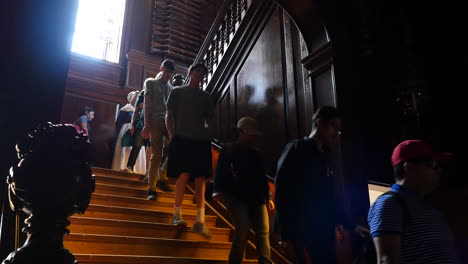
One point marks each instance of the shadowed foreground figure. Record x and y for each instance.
(51, 182)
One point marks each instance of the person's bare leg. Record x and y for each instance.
(148, 157)
(180, 187)
(199, 226)
(179, 197)
(200, 192)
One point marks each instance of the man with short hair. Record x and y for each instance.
(156, 94)
(188, 110)
(241, 183)
(305, 201)
(404, 226)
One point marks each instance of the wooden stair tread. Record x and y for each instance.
(133, 239)
(126, 182)
(98, 226)
(90, 220)
(104, 188)
(118, 174)
(126, 245)
(121, 181)
(125, 259)
(108, 199)
(99, 170)
(136, 214)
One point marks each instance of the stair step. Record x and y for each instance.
(121, 181)
(124, 259)
(102, 244)
(115, 200)
(143, 215)
(118, 174)
(138, 193)
(85, 225)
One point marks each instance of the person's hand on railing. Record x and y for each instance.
(218, 197)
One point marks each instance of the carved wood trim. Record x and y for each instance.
(177, 31)
(81, 86)
(141, 58)
(320, 60)
(256, 17)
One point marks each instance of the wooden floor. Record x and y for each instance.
(121, 226)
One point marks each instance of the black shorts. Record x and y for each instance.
(190, 156)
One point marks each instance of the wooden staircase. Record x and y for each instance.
(121, 226)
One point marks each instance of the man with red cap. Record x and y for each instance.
(404, 226)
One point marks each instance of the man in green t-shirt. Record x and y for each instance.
(188, 110)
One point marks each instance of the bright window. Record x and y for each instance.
(98, 29)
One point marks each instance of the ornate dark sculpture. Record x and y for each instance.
(51, 182)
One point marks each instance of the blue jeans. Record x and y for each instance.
(242, 215)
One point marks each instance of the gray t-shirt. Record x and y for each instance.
(157, 92)
(191, 109)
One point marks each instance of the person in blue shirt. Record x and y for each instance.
(405, 227)
(81, 124)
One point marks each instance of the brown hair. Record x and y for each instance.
(326, 114)
(198, 65)
(168, 64)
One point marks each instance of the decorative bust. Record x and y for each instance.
(51, 182)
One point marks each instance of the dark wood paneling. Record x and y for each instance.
(135, 75)
(95, 69)
(141, 25)
(102, 127)
(225, 120)
(289, 77)
(323, 89)
(260, 92)
(93, 89)
(305, 106)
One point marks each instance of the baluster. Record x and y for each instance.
(207, 60)
(233, 18)
(228, 22)
(218, 43)
(238, 10)
(244, 7)
(211, 62)
(205, 78)
(215, 52)
(222, 37)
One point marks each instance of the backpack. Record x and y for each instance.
(368, 253)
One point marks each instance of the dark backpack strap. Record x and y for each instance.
(404, 206)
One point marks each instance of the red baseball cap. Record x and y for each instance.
(415, 150)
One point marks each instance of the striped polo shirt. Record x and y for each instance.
(425, 239)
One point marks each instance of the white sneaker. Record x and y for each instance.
(177, 220)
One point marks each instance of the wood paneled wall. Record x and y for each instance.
(265, 86)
